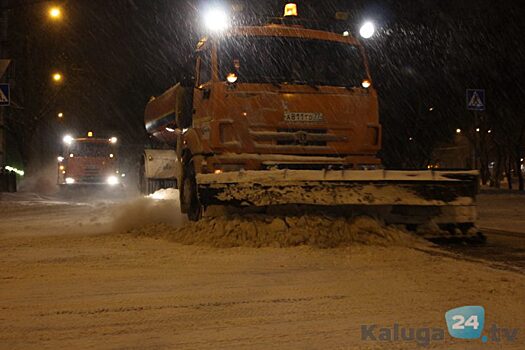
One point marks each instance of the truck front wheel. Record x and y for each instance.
(188, 194)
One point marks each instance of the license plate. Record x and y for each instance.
(300, 117)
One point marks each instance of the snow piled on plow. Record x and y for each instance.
(270, 231)
(158, 216)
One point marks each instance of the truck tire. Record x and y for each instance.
(189, 199)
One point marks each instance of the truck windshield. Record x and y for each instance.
(261, 59)
(90, 149)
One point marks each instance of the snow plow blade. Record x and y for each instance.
(446, 198)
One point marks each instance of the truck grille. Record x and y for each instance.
(89, 171)
(91, 174)
(303, 137)
(296, 137)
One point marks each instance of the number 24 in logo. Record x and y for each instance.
(465, 322)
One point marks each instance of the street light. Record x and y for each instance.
(60, 115)
(55, 13)
(57, 77)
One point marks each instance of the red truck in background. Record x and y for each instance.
(89, 161)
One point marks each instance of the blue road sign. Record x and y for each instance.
(476, 99)
(4, 95)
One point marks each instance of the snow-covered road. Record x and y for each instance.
(80, 275)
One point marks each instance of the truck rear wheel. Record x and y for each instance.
(188, 194)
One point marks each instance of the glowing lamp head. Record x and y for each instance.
(367, 30)
(60, 159)
(366, 83)
(231, 78)
(68, 139)
(290, 9)
(57, 77)
(216, 20)
(55, 13)
(70, 180)
(90, 134)
(113, 139)
(458, 131)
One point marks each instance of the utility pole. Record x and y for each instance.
(3, 54)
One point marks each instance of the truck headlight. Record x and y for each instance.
(366, 83)
(231, 78)
(68, 139)
(112, 180)
(216, 20)
(70, 180)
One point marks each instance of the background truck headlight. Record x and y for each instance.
(70, 180)
(112, 180)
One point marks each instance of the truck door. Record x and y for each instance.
(203, 87)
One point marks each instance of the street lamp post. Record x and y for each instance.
(54, 13)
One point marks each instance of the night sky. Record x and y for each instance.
(116, 54)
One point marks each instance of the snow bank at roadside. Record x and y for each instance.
(271, 231)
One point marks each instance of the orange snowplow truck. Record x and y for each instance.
(88, 161)
(281, 114)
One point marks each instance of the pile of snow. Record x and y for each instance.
(272, 231)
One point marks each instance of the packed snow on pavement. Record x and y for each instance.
(502, 210)
(135, 274)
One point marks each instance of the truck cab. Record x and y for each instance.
(276, 96)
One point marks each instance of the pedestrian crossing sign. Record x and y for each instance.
(4, 95)
(476, 99)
